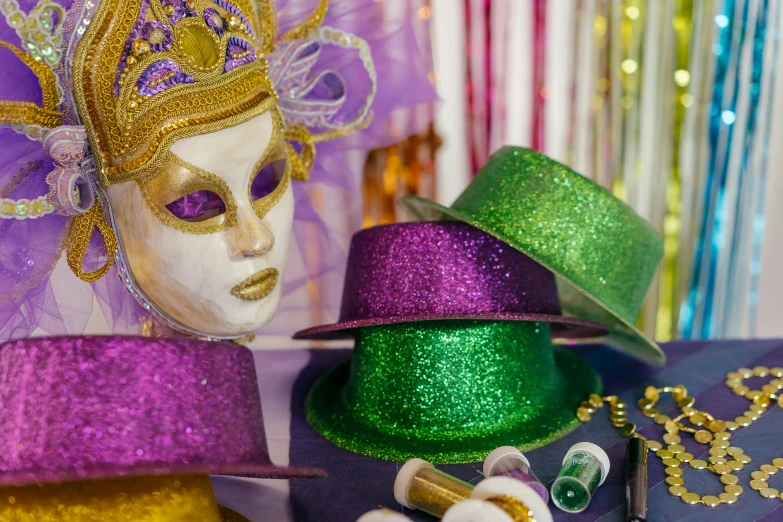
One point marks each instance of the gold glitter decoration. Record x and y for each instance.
(257, 286)
(434, 491)
(28, 113)
(178, 178)
(79, 233)
(308, 26)
(137, 499)
(572, 226)
(277, 150)
(267, 15)
(302, 162)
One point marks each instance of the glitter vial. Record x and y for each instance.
(585, 467)
(516, 497)
(383, 515)
(507, 461)
(420, 486)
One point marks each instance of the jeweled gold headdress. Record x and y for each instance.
(148, 72)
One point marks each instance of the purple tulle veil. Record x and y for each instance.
(41, 296)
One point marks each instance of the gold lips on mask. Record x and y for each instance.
(257, 286)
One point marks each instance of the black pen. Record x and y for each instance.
(636, 481)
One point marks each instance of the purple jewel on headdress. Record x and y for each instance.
(161, 75)
(234, 11)
(158, 35)
(214, 20)
(239, 52)
(180, 10)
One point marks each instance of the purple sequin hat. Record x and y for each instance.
(74, 408)
(422, 271)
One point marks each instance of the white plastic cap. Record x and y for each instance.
(595, 451)
(498, 486)
(476, 511)
(500, 454)
(404, 477)
(383, 515)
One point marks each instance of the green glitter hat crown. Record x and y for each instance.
(450, 391)
(603, 254)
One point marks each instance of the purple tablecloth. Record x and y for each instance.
(357, 484)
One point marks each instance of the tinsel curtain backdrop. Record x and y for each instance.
(667, 103)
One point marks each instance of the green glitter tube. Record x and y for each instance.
(420, 486)
(585, 467)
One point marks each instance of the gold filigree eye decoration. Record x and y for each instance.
(189, 199)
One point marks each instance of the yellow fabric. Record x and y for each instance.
(172, 498)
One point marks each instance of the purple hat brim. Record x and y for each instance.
(93, 407)
(563, 327)
(267, 471)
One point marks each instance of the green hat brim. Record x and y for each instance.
(624, 336)
(326, 410)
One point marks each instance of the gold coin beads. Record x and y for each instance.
(760, 478)
(724, 459)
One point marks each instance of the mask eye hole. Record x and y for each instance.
(267, 179)
(197, 206)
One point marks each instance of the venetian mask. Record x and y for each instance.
(171, 138)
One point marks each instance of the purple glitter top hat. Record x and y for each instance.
(75, 408)
(444, 270)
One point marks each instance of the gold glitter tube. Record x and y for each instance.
(420, 486)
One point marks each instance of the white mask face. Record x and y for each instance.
(206, 240)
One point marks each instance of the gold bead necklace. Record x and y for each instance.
(724, 458)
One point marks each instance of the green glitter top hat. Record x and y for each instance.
(603, 254)
(450, 391)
